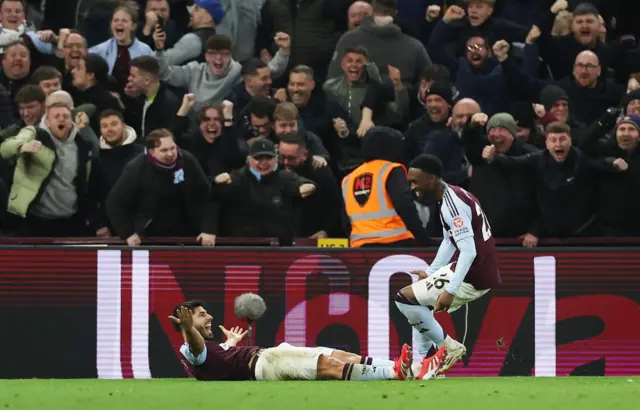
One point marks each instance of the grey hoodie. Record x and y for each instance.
(198, 79)
(60, 198)
(386, 45)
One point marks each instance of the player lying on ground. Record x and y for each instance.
(207, 359)
(446, 286)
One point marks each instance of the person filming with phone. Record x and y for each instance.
(205, 16)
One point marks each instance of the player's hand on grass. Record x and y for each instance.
(234, 336)
(184, 319)
(444, 302)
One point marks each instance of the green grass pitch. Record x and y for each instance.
(602, 393)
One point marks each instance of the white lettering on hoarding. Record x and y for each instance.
(544, 302)
(109, 320)
(378, 303)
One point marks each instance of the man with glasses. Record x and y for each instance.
(588, 94)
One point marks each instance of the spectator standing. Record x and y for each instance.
(162, 193)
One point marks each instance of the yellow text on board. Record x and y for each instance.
(333, 243)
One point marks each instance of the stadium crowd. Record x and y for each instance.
(239, 118)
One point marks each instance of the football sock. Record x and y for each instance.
(422, 319)
(364, 372)
(371, 361)
(426, 347)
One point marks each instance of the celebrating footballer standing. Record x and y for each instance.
(446, 285)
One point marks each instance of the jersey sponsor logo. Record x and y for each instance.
(458, 222)
(362, 185)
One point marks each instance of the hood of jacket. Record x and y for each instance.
(367, 25)
(383, 143)
(130, 137)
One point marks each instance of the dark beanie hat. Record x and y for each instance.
(441, 89)
(630, 119)
(551, 94)
(633, 95)
(427, 163)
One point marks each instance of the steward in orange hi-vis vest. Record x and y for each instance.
(372, 215)
(377, 195)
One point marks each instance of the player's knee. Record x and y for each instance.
(405, 296)
(329, 367)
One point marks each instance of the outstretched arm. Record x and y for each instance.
(194, 338)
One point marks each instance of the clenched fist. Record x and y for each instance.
(620, 164)
(307, 189)
(223, 178)
(227, 109)
(479, 119)
(453, 13)
(501, 50)
(433, 12)
(395, 76)
(533, 35)
(283, 41)
(489, 152)
(31, 147)
(318, 162)
(81, 120)
(341, 127)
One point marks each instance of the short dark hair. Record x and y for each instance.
(427, 163)
(303, 69)
(584, 9)
(189, 304)
(98, 67)
(385, 7)
(294, 138)
(557, 127)
(436, 72)
(261, 106)
(218, 42)
(152, 140)
(203, 111)
(356, 50)
(111, 113)
(45, 72)
(15, 1)
(252, 65)
(30, 93)
(148, 64)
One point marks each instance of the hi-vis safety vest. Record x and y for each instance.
(372, 215)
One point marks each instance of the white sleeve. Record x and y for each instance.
(458, 216)
(191, 358)
(444, 255)
(467, 247)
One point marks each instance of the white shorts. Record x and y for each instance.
(287, 362)
(427, 290)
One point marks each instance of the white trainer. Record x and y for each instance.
(455, 351)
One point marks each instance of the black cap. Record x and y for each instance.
(262, 148)
(428, 163)
(442, 89)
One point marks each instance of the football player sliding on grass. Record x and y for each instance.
(207, 359)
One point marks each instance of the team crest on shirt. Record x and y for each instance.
(458, 222)
(362, 185)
